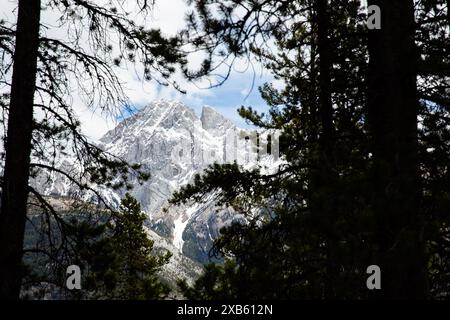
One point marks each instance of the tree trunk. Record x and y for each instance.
(324, 179)
(325, 102)
(18, 149)
(392, 118)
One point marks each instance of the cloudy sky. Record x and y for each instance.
(168, 15)
(240, 89)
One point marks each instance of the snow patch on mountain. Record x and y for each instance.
(180, 225)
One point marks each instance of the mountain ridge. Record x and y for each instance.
(171, 142)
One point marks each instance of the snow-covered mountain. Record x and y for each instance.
(170, 142)
(173, 144)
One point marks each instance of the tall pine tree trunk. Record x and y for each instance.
(18, 149)
(324, 180)
(392, 116)
(325, 102)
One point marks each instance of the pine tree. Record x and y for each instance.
(18, 148)
(325, 216)
(311, 215)
(137, 265)
(115, 255)
(392, 116)
(41, 121)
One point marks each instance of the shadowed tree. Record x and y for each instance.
(393, 108)
(18, 148)
(43, 73)
(117, 257)
(299, 244)
(380, 196)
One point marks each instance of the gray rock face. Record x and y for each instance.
(173, 144)
(214, 122)
(168, 139)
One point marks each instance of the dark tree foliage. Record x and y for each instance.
(116, 257)
(392, 109)
(41, 74)
(136, 266)
(433, 85)
(321, 220)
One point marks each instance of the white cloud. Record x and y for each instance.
(169, 16)
(94, 124)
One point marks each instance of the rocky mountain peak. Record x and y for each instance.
(214, 122)
(173, 144)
